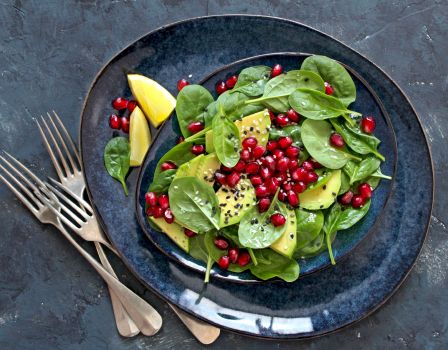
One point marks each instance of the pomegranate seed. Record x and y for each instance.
(299, 187)
(131, 105)
(281, 120)
(336, 140)
(189, 233)
(271, 116)
(252, 168)
(258, 152)
(299, 174)
(346, 198)
(167, 166)
(278, 153)
(328, 89)
(226, 169)
(311, 177)
(272, 185)
(168, 216)
(272, 146)
(120, 103)
(284, 142)
(249, 142)
(197, 149)
(292, 152)
(278, 219)
(282, 164)
(158, 212)
(125, 123)
(265, 173)
(368, 124)
(263, 204)
(307, 165)
(233, 179)
(150, 211)
(245, 154)
(221, 178)
(181, 84)
(243, 258)
(293, 116)
(151, 199)
(293, 164)
(195, 127)
(281, 177)
(240, 166)
(233, 254)
(164, 201)
(269, 163)
(315, 163)
(231, 81)
(357, 201)
(180, 139)
(286, 186)
(276, 70)
(224, 262)
(221, 87)
(261, 191)
(293, 199)
(115, 122)
(256, 180)
(221, 243)
(365, 190)
(282, 196)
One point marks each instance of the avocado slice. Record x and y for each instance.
(173, 231)
(287, 242)
(322, 197)
(207, 168)
(256, 125)
(189, 168)
(234, 202)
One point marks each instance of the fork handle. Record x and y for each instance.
(125, 325)
(147, 319)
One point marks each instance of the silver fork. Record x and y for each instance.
(46, 207)
(74, 181)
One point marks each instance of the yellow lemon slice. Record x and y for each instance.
(156, 101)
(139, 137)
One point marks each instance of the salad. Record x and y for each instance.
(269, 172)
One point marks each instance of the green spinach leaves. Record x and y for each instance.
(117, 156)
(226, 139)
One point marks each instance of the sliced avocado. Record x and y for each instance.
(256, 125)
(207, 167)
(173, 231)
(324, 177)
(287, 242)
(322, 197)
(234, 202)
(189, 168)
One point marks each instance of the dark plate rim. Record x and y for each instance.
(217, 274)
(273, 18)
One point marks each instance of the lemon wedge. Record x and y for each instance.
(139, 137)
(156, 101)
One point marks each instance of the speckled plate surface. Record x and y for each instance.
(316, 304)
(367, 102)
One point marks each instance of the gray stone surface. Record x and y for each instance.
(50, 52)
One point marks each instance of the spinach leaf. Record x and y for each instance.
(117, 156)
(226, 139)
(256, 230)
(317, 105)
(252, 80)
(380, 175)
(212, 250)
(234, 106)
(210, 113)
(373, 182)
(309, 225)
(179, 154)
(293, 131)
(191, 103)
(271, 264)
(162, 182)
(194, 204)
(371, 140)
(361, 170)
(313, 248)
(316, 138)
(355, 142)
(199, 251)
(345, 183)
(334, 74)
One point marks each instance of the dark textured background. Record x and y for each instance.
(50, 52)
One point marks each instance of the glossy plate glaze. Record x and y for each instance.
(319, 303)
(366, 102)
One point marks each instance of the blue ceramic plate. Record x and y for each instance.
(367, 102)
(318, 303)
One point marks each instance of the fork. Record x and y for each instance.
(71, 178)
(47, 209)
